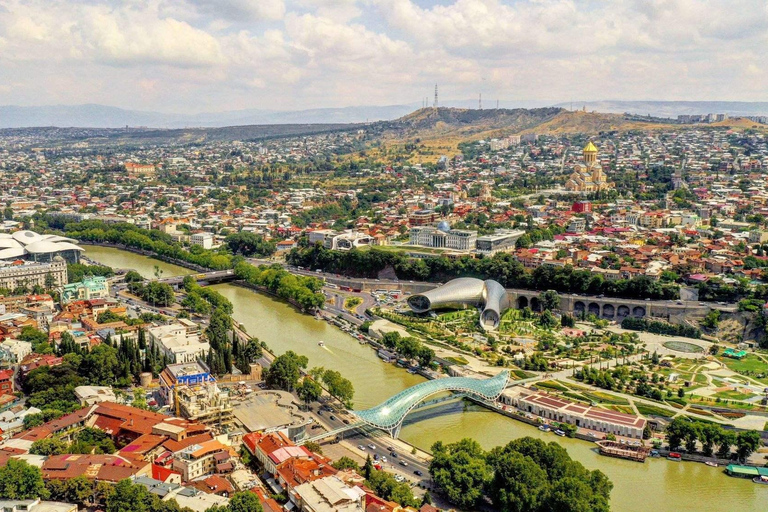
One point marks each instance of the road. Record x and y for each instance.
(365, 437)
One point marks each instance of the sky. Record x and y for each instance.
(217, 55)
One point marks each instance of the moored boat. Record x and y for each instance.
(712, 464)
(560, 433)
(674, 456)
(761, 480)
(544, 428)
(622, 451)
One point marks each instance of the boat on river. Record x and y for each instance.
(761, 480)
(622, 451)
(320, 343)
(712, 464)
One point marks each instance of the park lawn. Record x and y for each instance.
(750, 363)
(522, 374)
(551, 384)
(350, 303)
(652, 410)
(457, 360)
(733, 395)
(605, 398)
(626, 409)
(700, 378)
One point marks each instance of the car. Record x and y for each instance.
(316, 426)
(375, 456)
(390, 449)
(333, 418)
(361, 447)
(399, 478)
(383, 458)
(345, 421)
(393, 455)
(372, 446)
(403, 463)
(320, 412)
(418, 473)
(679, 303)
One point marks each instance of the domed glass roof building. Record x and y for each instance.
(28, 245)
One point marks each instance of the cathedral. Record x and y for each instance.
(588, 177)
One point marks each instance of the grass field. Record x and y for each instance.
(750, 363)
(733, 395)
(605, 398)
(651, 410)
(551, 384)
(457, 360)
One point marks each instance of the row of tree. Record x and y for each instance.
(132, 236)
(285, 373)
(502, 267)
(658, 327)
(525, 475)
(408, 347)
(303, 291)
(682, 431)
(22, 481)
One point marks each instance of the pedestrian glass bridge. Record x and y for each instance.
(389, 415)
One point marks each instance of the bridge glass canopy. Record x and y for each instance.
(390, 414)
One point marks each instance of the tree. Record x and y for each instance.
(127, 497)
(747, 443)
(460, 469)
(550, 300)
(346, 463)
(249, 244)
(339, 387)
(285, 371)
(21, 481)
(547, 320)
(725, 441)
(244, 502)
(314, 447)
(133, 277)
(518, 483)
(309, 390)
(49, 446)
(368, 468)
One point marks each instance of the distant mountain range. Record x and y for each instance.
(672, 109)
(102, 116)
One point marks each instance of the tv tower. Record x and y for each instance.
(435, 95)
(480, 102)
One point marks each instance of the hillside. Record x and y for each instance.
(567, 122)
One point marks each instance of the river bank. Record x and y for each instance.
(664, 485)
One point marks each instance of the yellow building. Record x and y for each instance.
(588, 177)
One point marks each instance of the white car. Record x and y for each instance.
(361, 447)
(383, 459)
(372, 446)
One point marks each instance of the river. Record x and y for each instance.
(657, 485)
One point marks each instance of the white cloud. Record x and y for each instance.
(194, 54)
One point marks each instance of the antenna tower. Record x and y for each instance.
(435, 95)
(480, 102)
